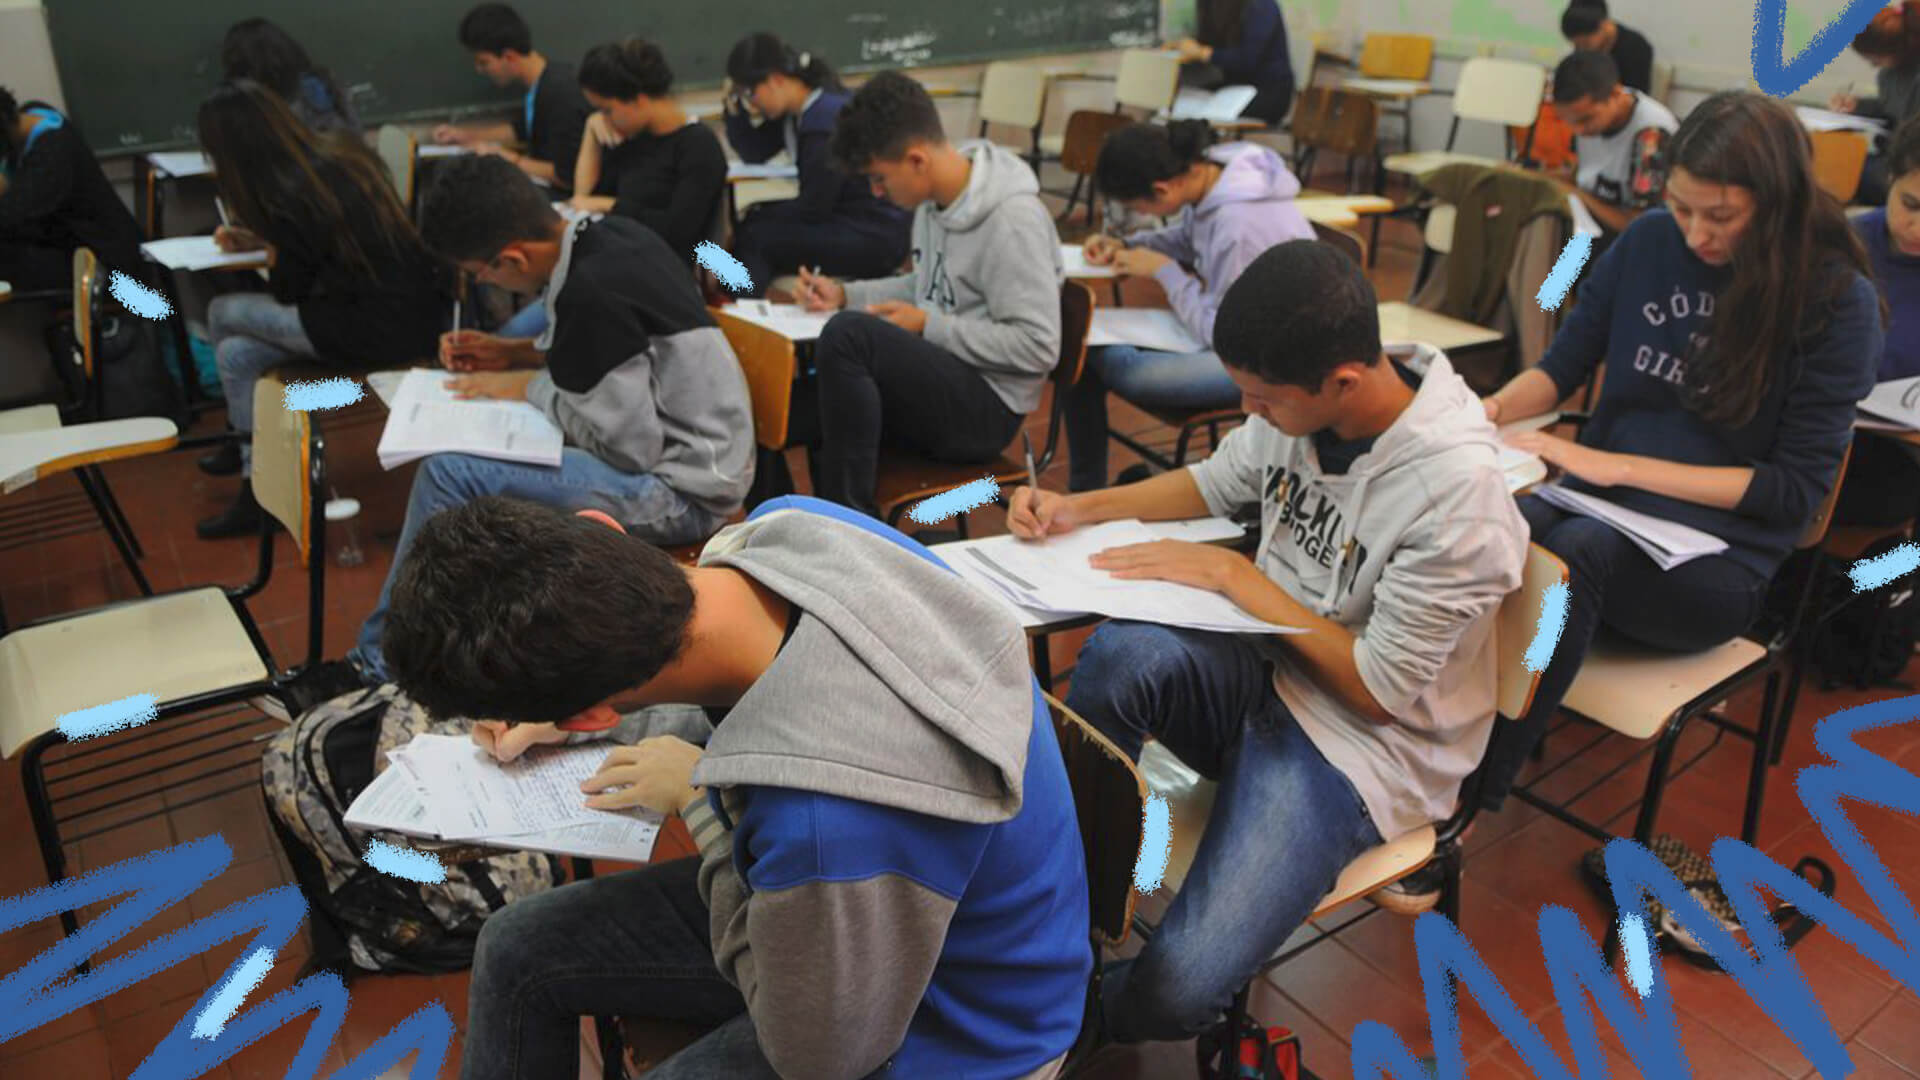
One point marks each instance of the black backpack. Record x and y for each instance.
(1870, 639)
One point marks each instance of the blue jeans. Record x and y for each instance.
(630, 944)
(1284, 824)
(528, 322)
(1145, 377)
(642, 502)
(252, 334)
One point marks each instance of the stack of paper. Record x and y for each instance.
(1667, 543)
(1826, 120)
(1053, 575)
(443, 787)
(428, 419)
(790, 321)
(440, 150)
(181, 163)
(770, 170)
(1896, 402)
(194, 253)
(1145, 328)
(1220, 106)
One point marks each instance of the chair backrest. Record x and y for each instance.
(1076, 323)
(1087, 131)
(1339, 121)
(397, 151)
(1109, 798)
(285, 469)
(1147, 79)
(1517, 623)
(1012, 93)
(1351, 245)
(1438, 231)
(1815, 533)
(1838, 158)
(1396, 56)
(1499, 91)
(767, 360)
(86, 313)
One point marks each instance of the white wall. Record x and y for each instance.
(26, 57)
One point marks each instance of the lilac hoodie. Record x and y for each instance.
(1249, 210)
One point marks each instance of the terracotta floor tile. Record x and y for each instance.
(83, 1057)
(130, 1040)
(1895, 1032)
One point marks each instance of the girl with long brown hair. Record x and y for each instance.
(351, 284)
(1738, 327)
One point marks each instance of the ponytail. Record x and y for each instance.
(761, 54)
(1135, 158)
(629, 69)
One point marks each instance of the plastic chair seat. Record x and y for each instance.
(172, 646)
(1635, 690)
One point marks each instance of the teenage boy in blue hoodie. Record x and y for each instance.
(890, 878)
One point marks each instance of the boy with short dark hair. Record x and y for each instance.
(631, 368)
(1620, 137)
(1388, 536)
(551, 118)
(890, 875)
(1587, 25)
(947, 360)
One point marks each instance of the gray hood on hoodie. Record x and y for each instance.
(901, 686)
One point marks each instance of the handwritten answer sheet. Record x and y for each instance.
(428, 419)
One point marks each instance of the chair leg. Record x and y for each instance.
(33, 780)
(1180, 447)
(1763, 740)
(119, 516)
(105, 513)
(1657, 779)
(1043, 661)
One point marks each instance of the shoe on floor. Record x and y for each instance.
(222, 462)
(243, 518)
(1414, 894)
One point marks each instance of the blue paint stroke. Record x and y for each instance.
(1156, 844)
(213, 1019)
(1566, 269)
(731, 271)
(1769, 974)
(138, 298)
(141, 888)
(129, 712)
(1553, 622)
(319, 395)
(957, 501)
(1636, 944)
(1872, 573)
(1777, 78)
(401, 863)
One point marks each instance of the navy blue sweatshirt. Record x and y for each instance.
(1260, 57)
(827, 195)
(1641, 307)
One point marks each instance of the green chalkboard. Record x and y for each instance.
(134, 71)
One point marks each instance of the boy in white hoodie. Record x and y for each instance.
(1388, 535)
(947, 360)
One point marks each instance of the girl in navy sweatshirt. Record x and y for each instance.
(1883, 478)
(1738, 328)
(780, 99)
(1242, 43)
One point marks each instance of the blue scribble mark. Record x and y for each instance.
(1565, 269)
(321, 394)
(1156, 844)
(138, 298)
(401, 863)
(1553, 620)
(957, 501)
(213, 1019)
(1872, 573)
(1777, 78)
(1639, 956)
(129, 712)
(731, 271)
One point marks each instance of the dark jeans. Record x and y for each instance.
(879, 386)
(1284, 822)
(1694, 606)
(630, 944)
(30, 268)
(769, 243)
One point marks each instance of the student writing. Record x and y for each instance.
(260, 50)
(54, 199)
(946, 360)
(890, 877)
(779, 98)
(1229, 204)
(1589, 28)
(1891, 43)
(1242, 43)
(551, 117)
(1882, 485)
(1620, 138)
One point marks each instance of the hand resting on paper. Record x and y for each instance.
(819, 292)
(1183, 562)
(232, 238)
(498, 385)
(1034, 514)
(655, 774)
(1596, 467)
(473, 350)
(1101, 248)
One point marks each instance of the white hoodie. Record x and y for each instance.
(1412, 550)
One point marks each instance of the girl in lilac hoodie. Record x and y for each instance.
(1229, 204)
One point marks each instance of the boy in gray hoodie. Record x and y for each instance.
(945, 361)
(1387, 533)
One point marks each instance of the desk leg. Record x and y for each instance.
(197, 399)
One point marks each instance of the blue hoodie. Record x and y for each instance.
(889, 849)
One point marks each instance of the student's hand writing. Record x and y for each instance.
(448, 135)
(1100, 248)
(602, 130)
(1035, 514)
(498, 385)
(821, 293)
(508, 741)
(903, 315)
(1191, 50)
(1597, 467)
(654, 773)
(473, 350)
(1843, 103)
(1139, 262)
(1183, 562)
(236, 238)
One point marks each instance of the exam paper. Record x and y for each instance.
(193, 253)
(1145, 328)
(1827, 120)
(1224, 104)
(1667, 543)
(428, 419)
(1897, 401)
(1074, 258)
(791, 321)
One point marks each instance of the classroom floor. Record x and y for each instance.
(1518, 860)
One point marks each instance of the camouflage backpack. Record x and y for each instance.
(361, 918)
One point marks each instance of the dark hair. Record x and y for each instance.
(515, 611)
(886, 116)
(479, 204)
(626, 70)
(1134, 158)
(759, 55)
(1582, 17)
(259, 50)
(276, 174)
(495, 28)
(1789, 266)
(1585, 75)
(1903, 153)
(9, 120)
(1894, 32)
(1218, 21)
(1297, 312)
